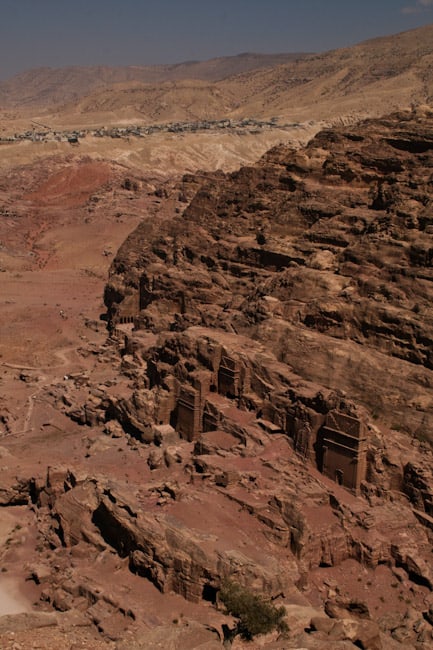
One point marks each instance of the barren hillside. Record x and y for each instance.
(370, 78)
(46, 86)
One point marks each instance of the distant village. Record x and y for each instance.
(44, 133)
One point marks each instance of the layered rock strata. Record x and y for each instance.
(321, 254)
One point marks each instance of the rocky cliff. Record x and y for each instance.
(324, 255)
(275, 337)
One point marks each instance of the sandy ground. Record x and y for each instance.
(11, 601)
(57, 239)
(16, 535)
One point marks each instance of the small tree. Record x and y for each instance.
(255, 614)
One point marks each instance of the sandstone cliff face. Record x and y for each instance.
(322, 254)
(275, 338)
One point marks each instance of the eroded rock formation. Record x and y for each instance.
(268, 382)
(276, 336)
(322, 255)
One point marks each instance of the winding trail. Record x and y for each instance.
(60, 354)
(30, 400)
(63, 355)
(15, 366)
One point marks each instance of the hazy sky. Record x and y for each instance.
(36, 33)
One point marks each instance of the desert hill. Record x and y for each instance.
(370, 78)
(46, 86)
(288, 102)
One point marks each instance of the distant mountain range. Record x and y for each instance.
(373, 77)
(45, 86)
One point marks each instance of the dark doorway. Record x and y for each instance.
(209, 593)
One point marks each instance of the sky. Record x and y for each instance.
(58, 33)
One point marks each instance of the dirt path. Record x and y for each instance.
(26, 424)
(43, 380)
(61, 354)
(15, 366)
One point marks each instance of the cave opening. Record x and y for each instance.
(209, 593)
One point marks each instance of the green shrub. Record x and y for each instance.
(255, 614)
